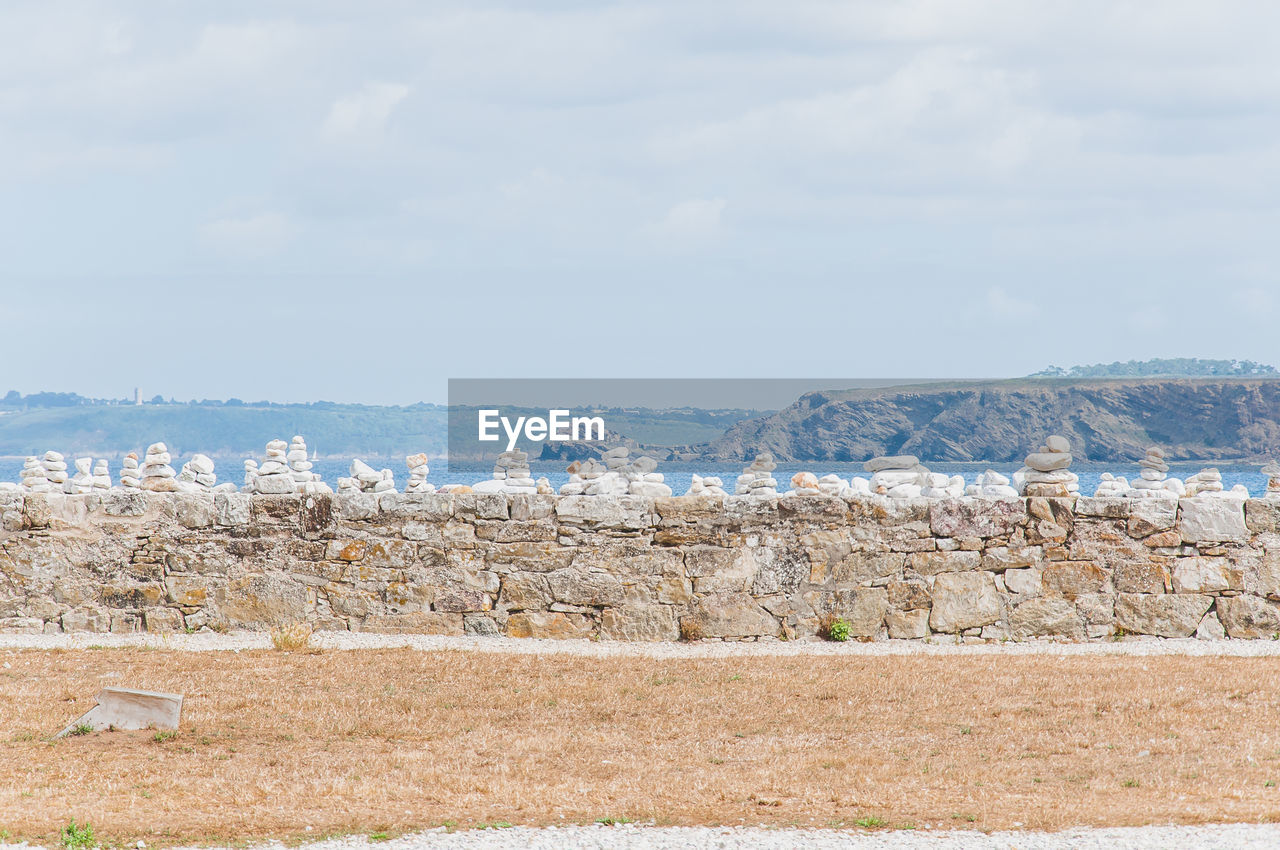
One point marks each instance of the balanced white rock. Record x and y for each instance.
(643, 478)
(250, 474)
(757, 479)
(991, 485)
(832, 485)
(511, 474)
(274, 477)
(1153, 480)
(1206, 482)
(101, 476)
(34, 478)
(899, 476)
(1046, 472)
(55, 469)
(197, 474)
(1109, 486)
(305, 480)
(82, 482)
(709, 486)
(418, 471)
(130, 477)
(938, 485)
(157, 474)
(1272, 471)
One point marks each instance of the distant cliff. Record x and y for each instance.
(1106, 420)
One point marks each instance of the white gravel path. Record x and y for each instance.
(237, 641)
(630, 837)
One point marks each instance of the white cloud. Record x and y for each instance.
(363, 116)
(695, 219)
(250, 237)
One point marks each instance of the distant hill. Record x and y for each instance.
(75, 424)
(1178, 367)
(1105, 419)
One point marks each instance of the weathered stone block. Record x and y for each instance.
(121, 502)
(575, 587)
(1249, 617)
(1000, 558)
(639, 622)
(1212, 520)
(354, 507)
(976, 517)
(727, 615)
(230, 509)
(908, 595)
(1145, 576)
(1151, 515)
(1262, 516)
(547, 624)
(908, 625)
(1205, 575)
(964, 600)
(1023, 582)
(935, 563)
(1070, 579)
(1045, 616)
(418, 623)
(865, 566)
(1110, 508)
(1165, 615)
(621, 512)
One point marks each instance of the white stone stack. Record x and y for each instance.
(544, 487)
(1047, 470)
(591, 477)
(157, 474)
(709, 486)
(832, 485)
(101, 476)
(250, 475)
(274, 477)
(898, 477)
(55, 469)
(197, 474)
(582, 474)
(365, 479)
(418, 471)
(34, 477)
(991, 485)
(1272, 471)
(1111, 486)
(757, 479)
(1153, 480)
(130, 477)
(643, 478)
(1208, 482)
(511, 474)
(300, 468)
(804, 484)
(82, 482)
(858, 486)
(938, 485)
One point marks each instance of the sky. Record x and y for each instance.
(357, 201)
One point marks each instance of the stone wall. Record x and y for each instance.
(627, 568)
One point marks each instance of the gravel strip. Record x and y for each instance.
(237, 641)
(631, 837)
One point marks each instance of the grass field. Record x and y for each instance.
(393, 740)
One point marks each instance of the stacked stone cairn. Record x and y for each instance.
(898, 477)
(418, 471)
(55, 469)
(197, 474)
(643, 478)
(82, 482)
(1153, 480)
(1047, 470)
(300, 468)
(511, 474)
(940, 486)
(991, 485)
(1272, 471)
(583, 475)
(1111, 486)
(709, 486)
(833, 485)
(757, 479)
(33, 476)
(273, 476)
(365, 479)
(157, 474)
(805, 484)
(101, 476)
(250, 474)
(130, 477)
(1208, 482)
(544, 487)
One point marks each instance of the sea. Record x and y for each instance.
(678, 476)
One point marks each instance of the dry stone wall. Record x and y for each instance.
(631, 568)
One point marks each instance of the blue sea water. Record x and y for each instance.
(679, 475)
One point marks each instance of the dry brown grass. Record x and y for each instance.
(293, 637)
(395, 740)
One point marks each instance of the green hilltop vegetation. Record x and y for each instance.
(1176, 367)
(76, 424)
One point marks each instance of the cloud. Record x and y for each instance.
(363, 116)
(250, 237)
(692, 220)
